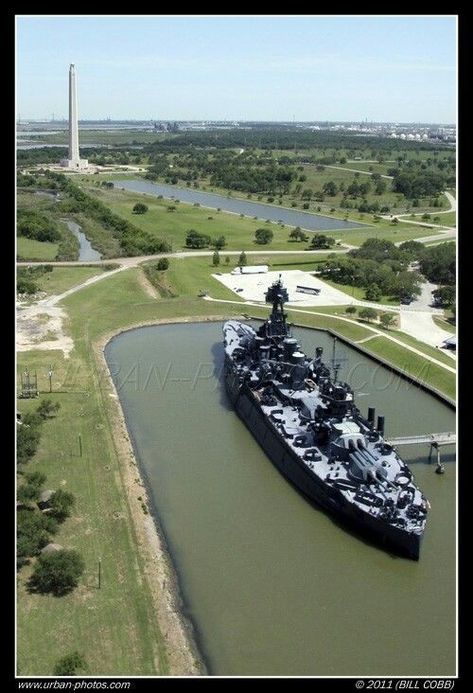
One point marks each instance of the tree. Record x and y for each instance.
(30, 490)
(373, 292)
(330, 188)
(242, 261)
(140, 208)
(444, 296)
(33, 530)
(57, 573)
(163, 264)
(61, 503)
(320, 241)
(351, 310)
(368, 314)
(227, 260)
(380, 187)
(387, 319)
(27, 441)
(47, 408)
(298, 235)
(219, 242)
(70, 664)
(216, 258)
(263, 236)
(194, 239)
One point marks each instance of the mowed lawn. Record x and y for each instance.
(28, 249)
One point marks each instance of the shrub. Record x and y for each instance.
(163, 264)
(69, 664)
(140, 208)
(47, 408)
(351, 310)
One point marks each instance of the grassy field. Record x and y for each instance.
(239, 232)
(113, 628)
(28, 249)
(448, 219)
(63, 278)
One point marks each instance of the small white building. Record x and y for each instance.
(251, 269)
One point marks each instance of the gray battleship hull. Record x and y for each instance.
(291, 466)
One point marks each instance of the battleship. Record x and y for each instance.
(307, 423)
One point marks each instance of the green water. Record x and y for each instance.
(273, 585)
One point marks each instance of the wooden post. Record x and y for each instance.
(80, 445)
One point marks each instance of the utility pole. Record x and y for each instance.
(100, 571)
(50, 374)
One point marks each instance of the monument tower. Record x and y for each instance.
(74, 161)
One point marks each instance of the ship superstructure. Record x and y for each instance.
(311, 429)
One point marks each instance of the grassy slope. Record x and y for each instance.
(414, 365)
(445, 325)
(63, 278)
(28, 249)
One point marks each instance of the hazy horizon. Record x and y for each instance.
(240, 68)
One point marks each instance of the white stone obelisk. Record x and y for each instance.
(74, 161)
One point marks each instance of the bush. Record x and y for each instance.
(57, 573)
(140, 208)
(163, 264)
(351, 310)
(69, 664)
(320, 241)
(47, 408)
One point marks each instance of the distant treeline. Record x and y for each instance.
(283, 139)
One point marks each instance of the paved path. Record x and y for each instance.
(422, 327)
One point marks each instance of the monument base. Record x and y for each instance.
(75, 164)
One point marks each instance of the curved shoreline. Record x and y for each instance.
(179, 633)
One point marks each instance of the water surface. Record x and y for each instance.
(273, 585)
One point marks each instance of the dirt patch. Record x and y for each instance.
(146, 285)
(40, 326)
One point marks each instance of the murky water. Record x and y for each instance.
(86, 252)
(273, 585)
